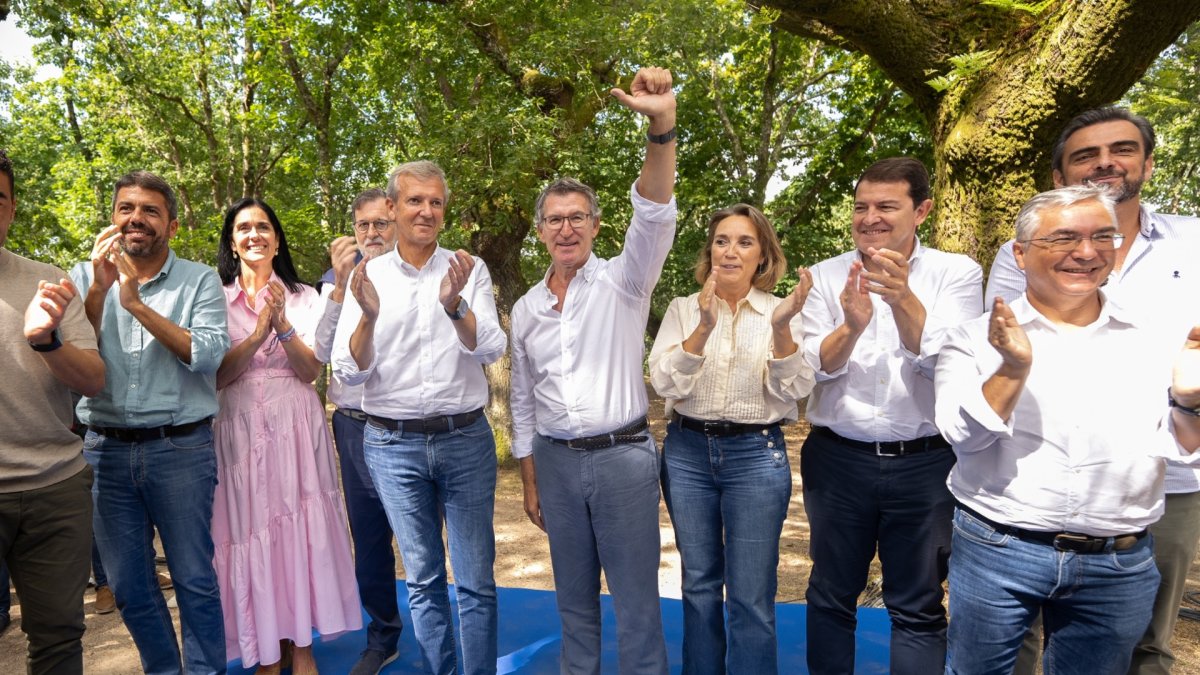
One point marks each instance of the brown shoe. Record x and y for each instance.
(105, 602)
(164, 581)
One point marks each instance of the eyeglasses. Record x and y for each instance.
(1061, 243)
(575, 220)
(381, 226)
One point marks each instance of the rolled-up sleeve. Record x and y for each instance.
(961, 413)
(489, 337)
(957, 302)
(673, 371)
(521, 402)
(791, 378)
(207, 325)
(345, 368)
(326, 326)
(647, 243)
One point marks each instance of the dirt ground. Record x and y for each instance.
(523, 561)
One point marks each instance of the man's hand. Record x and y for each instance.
(364, 292)
(130, 296)
(856, 299)
(46, 309)
(1008, 338)
(891, 283)
(533, 507)
(1185, 381)
(461, 264)
(342, 252)
(106, 248)
(651, 95)
(794, 302)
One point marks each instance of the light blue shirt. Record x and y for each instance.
(146, 385)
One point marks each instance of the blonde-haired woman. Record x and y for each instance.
(727, 359)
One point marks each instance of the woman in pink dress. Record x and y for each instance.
(279, 526)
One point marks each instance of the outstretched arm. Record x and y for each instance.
(651, 95)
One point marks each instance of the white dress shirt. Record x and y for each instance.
(341, 394)
(1085, 450)
(1161, 271)
(885, 392)
(420, 368)
(578, 372)
(737, 378)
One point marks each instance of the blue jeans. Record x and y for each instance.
(1095, 606)
(728, 497)
(601, 511)
(167, 484)
(374, 562)
(856, 501)
(420, 478)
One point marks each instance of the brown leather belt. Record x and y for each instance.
(630, 433)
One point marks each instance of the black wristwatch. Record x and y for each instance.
(461, 312)
(1194, 412)
(661, 139)
(54, 343)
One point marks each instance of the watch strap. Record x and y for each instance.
(661, 139)
(461, 312)
(1194, 412)
(54, 343)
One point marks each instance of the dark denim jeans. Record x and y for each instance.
(374, 562)
(166, 484)
(422, 478)
(728, 498)
(857, 501)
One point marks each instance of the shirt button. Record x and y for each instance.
(133, 386)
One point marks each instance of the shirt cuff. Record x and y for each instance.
(685, 362)
(650, 210)
(978, 409)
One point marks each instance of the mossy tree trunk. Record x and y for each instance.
(1012, 74)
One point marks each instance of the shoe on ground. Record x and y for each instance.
(372, 661)
(6, 621)
(164, 582)
(160, 560)
(105, 602)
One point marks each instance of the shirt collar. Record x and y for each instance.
(757, 300)
(587, 271)
(165, 270)
(235, 290)
(1148, 223)
(1110, 312)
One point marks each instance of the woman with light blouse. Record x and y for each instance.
(728, 361)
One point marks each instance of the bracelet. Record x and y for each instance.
(286, 335)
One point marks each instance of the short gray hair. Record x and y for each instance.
(1030, 217)
(421, 169)
(565, 186)
(366, 197)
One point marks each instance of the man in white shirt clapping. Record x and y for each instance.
(1062, 443)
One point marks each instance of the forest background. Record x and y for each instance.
(781, 105)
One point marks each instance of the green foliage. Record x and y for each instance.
(1167, 96)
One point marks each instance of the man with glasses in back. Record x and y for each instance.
(374, 562)
(1113, 148)
(1061, 441)
(422, 325)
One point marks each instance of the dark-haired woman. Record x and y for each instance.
(728, 362)
(282, 550)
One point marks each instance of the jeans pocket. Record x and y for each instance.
(200, 438)
(375, 436)
(976, 530)
(1134, 559)
(480, 428)
(91, 440)
(775, 449)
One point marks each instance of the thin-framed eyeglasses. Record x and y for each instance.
(575, 220)
(1101, 241)
(381, 226)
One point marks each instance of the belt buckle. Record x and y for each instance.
(711, 427)
(880, 453)
(1077, 543)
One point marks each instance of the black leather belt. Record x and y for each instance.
(718, 427)
(630, 433)
(429, 425)
(1072, 542)
(886, 448)
(353, 414)
(128, 435)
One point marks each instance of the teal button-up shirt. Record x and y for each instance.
(145, 384)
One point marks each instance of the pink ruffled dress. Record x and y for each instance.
(279, 524)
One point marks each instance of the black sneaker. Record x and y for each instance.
(372, 661)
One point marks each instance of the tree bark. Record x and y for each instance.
(993, 129)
